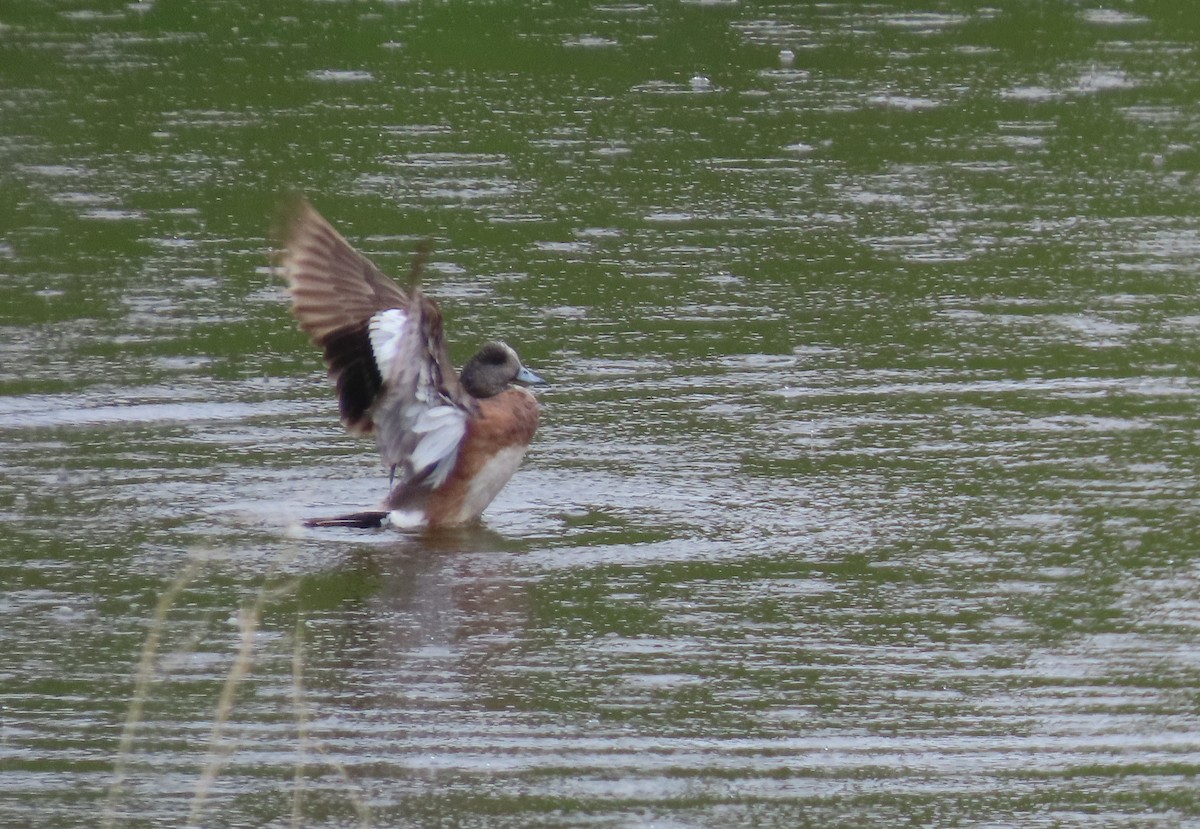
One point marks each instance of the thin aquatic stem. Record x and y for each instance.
(141, 683)
(356, 800)
(218, 751)
(301, 711)
(305, 744)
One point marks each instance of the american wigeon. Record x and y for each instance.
(451, 441)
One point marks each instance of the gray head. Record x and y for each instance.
(493, 369)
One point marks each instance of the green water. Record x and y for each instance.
(865, 487)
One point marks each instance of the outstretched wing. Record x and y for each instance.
(422, 415)
(335, 292)
(385, 349)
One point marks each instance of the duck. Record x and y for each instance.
(450, 440)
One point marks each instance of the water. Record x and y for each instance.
(865, 486)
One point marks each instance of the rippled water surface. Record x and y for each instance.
(865, 488)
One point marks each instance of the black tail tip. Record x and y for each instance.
(371, 520)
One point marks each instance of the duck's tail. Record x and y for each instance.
(369, 520)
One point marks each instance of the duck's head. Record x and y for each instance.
(493, 369)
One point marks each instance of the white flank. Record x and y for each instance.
(384, 330)
(406, 519)
(490, 480)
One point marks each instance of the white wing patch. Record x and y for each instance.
(440, 431)
(417, 425)
(385, 330)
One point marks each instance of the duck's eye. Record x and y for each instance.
(495, 357)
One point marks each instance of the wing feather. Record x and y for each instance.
(385, 349)
(335, 293)
(422, 416)
(333, 286)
